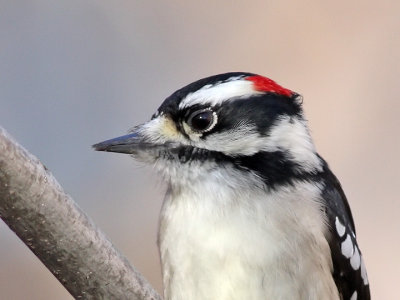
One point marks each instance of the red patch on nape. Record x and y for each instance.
(264, 84)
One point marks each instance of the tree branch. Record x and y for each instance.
(48, 221)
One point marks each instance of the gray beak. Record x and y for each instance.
(128, 144)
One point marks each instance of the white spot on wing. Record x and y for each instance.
(364, 272)
(347, 247)
(354, 296)
(355, 260)
(340, 227)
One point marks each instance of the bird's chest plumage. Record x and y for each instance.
(216, 243)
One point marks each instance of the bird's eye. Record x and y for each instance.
(202, 120)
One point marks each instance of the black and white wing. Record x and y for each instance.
(349, 270)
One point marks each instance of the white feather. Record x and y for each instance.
(291, 134)
(288, 134)
(216, 94)
(223, 236)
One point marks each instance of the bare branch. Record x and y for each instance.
(48, 221)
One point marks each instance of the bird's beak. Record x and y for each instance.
(129, 144)
(145, 140)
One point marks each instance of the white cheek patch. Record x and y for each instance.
(289, 134)
(241, 140)
(216, 94)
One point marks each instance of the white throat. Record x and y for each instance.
(219, 243)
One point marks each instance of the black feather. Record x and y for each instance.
(346, 278)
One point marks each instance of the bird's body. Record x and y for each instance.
(252, 211)
(211, 235)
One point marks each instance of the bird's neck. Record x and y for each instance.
(219, 243)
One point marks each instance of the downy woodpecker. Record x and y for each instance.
(251, 211)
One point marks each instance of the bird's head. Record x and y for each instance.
(240, 119)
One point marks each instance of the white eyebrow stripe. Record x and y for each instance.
(216, 94)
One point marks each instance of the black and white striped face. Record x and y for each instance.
(225, 117)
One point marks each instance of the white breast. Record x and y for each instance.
(219, 243)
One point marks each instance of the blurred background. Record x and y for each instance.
(73, 73)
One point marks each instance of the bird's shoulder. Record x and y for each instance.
(349, 270)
